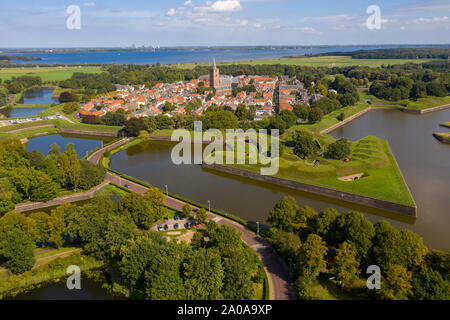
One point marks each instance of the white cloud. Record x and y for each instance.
(431, 20)
(89, 4)
(171, 12)
(188, 3)
(308, 30)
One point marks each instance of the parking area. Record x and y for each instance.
(179, 222)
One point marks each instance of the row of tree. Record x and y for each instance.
(344, 245)
(215, 265)
(31, 176)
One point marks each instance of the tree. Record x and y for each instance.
(137, 208)
(430, 285)
(282, 216)
(439, 261)
(301, 111)
(134, 126)
(385, 250)
(70, 167)
(356, 229)
(396, 284)
(311, 256)
(57, 223)
(163, 278)
(70, 107)
(40, 229)
(237, 283)
(242, 112)
(67, 96)
(220, 120)
(45, 188)
(202, 215)
(288, 117)
(345, 266)
(287, 244)
(315, 115)
(304, 144)
(324, 223)
(187, 210)
(203, 275)
(412, 249)
(18, 251)
(223, 237)
(339, 150)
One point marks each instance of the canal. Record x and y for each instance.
(423, 160)
(90, 290)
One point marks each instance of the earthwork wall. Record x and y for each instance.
(345, 196)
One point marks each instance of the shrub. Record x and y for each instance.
(339, 150)
(315, 115)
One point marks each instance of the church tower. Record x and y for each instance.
(214, 76)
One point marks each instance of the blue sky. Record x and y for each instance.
(42, 23)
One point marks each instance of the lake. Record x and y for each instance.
(25, 112)
(174, 56)
(41, 96)
(82, 144)
(423, 160)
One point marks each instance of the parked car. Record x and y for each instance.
(176, 226)
(195, 224)
(176, 218)
(187, 225)
(127, 186)
(166, 227)
(160, 228)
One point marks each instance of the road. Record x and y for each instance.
(280, 281)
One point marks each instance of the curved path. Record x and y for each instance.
(280, 281)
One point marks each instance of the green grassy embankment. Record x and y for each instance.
(371, 156)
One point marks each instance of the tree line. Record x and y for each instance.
(344, 245)
(31, 176)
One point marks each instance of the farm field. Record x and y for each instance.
(47, 74)
(331, 61)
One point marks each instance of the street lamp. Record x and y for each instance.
(167, 189)
(209, 205)
(257, 228)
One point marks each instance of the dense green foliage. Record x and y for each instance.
(343, 245)
(29, 176)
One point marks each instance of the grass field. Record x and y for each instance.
(371, 156)
(443, 137)
(446, 124)
(332, 61)
(46, 74)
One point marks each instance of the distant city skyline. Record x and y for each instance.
(172, 23)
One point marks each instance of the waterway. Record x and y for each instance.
(41, 96)
(423, 160)
(82, 144)
(90, 290)
(24, 112)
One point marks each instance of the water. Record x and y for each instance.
(25, 112)
(172, 56)
(82, 144)
(43, 96)
(90, 290)
(422, 159)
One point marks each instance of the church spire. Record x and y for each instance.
(214, 63)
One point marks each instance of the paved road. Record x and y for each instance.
(280, 281)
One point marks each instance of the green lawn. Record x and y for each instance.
(371, 156)
(446, 124)
(46, 74)
(442, 136)
(428, 102)
(331, 61)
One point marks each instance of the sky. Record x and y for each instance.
(119, 23)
